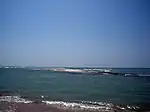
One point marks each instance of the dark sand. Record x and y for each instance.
(22, 107)
(33, 107)
(41, 107)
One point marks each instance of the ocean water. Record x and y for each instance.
(57, 88)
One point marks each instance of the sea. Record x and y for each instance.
(104, 93)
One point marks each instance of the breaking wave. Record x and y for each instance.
(83, 105)
(14, 99)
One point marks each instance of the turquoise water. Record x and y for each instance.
(75, 87)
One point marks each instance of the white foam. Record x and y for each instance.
(84, 105)
(42, 96)
(98, 103)
(79, 105)
(15, 99)
(129, 107)
(122, 108)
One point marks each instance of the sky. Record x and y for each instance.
(91, 33)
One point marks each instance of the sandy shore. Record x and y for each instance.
(41, 107)
(18, 104)
(32, 107)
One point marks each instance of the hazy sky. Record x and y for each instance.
(113, 33)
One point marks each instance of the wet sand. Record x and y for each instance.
(32, 107)
(41, 107)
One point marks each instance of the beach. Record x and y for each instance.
(22, 107)
(41, 107)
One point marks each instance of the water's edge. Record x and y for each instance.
(83, 105)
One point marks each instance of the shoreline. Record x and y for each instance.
(42, 107)
(30, 107)
(19, 104)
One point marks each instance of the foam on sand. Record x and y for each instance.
(15, 99)
(83, 105)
